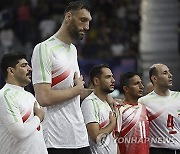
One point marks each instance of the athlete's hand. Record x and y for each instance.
(112, 118)
(78, 81)
(38, 111)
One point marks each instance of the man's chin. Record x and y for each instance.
(81, 37)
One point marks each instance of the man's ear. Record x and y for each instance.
(153, 78)
(10, 70)
(96, 81)
(68, 16)
(125, 88)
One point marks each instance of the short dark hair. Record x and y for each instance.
(10, 60)
(75, 6)
(96, 71)
(125, 79)
(152, 71)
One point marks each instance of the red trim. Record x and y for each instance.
(60, 77)
(157, 114)
(101, 125)
(133, 122)
(26, 116)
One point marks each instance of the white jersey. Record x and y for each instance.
(16, 105)
(55, 62)
(94, 110)
(164, 117)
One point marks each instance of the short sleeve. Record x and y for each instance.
(41, 64)
(90, 111)
(9, 110)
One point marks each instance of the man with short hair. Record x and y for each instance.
(133, 126)
(98, 116)
(58, 84)
(163, 107)
(20, 115)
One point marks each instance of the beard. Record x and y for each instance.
(107, 90)
(74, 32)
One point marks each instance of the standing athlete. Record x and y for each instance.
(163, 107)
(98, 116)
(20, 116)
(132, 120)
(58, 84)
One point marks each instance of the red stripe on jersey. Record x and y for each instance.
(60, 77)
(26, 116)
(103, 124)
(130, 126)
(152, 117)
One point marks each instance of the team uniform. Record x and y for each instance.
(94, 110)
(164, 117)
(133, 128)
(16, 113)
(55, 62)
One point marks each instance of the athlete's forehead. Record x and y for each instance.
(160, 68)
(83, 13)
(135, 79)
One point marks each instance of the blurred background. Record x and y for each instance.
(129, 35)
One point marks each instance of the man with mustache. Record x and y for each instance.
(133, 126)
(163, 107)
(58, 84)
(20, 116)
(98, 116)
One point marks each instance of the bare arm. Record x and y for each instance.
(46, 96)
(94, 130)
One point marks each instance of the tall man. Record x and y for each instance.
(58, 84)
(20, 117)
(98, 116)
(163, 106)
(132, 120)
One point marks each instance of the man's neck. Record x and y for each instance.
(100, 95)
(131, 100)
(63, 35)
(161, 91)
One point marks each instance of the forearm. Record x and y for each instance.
(107, 130)
(48, 97)
(95, 131)
(20, 130)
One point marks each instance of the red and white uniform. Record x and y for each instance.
(20, 130)
(164, 117)
(95, 110)
(55, 62)
(134, 129)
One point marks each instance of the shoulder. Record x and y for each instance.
(174, 93)
(147, 97)
(88, 99)
(6, 94)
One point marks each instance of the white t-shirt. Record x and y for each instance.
(94, 110)
(16, 107)
(164, 117)
(55, 62)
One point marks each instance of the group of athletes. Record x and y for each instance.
(65, 118)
